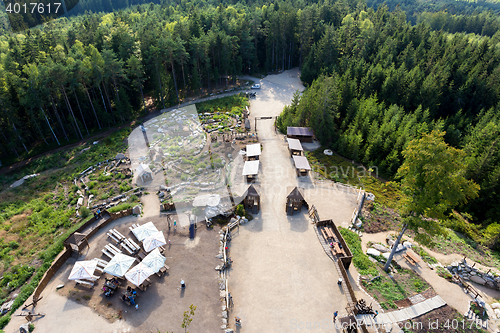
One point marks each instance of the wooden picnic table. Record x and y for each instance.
(121, 237)
(337, 248)
(409, 259)
(137, 247)
(329, 232)
(413, 256)
(110, 235)
(145, 284)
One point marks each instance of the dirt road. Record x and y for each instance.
(281, 279)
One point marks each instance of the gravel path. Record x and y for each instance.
(281, 279)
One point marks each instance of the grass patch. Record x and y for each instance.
(37, 216)
(455, 242)
(387, 290)
(120, 207)
(360, 260)
(226, 104)
(342, 170)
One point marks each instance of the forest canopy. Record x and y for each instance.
(376, 78)
(377, 82)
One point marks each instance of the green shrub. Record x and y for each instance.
(104, 178)
(240, 210)
(360, 260)
(84, 212)
(491, 236)
(13, 245)
(124, 188)
(31, 327)
(120, 207)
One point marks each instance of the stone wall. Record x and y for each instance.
(470, 273)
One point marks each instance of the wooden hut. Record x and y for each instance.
(252, 200)
(76, 242)
(304, 134)
(295, 200)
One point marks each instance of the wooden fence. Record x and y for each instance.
(89, 228)
(49, 274)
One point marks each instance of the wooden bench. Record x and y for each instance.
(409, 259)
(117, 233)
(329, 232)
(162, 271)
(88, 283)
(107, 253)
(413, 256)
(112, 237)
(101, 263)
(324, 234)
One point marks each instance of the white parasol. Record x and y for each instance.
(152, 242)
(138, 274)
(119, 265)
(154, 260)
(144, 231)
(83, 270)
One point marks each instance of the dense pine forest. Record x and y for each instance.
(377, 75)
(378, 82)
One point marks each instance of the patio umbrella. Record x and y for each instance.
(119, 265)
(83, 270)
(154, 260)
(138, 274)
(144, 231)
(152, 242)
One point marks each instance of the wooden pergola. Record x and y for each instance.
(252, 200)
(294, 147)
(76, 241)
(295, 200)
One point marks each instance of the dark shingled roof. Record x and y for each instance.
(75, 238)
(295, 194)
(252, 192)
(300, 131)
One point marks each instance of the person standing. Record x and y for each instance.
(335, 314)
(376, 314)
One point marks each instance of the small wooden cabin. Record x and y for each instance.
(304, 134)
(252, 200)
(295, 200)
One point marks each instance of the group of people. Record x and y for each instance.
(338, 243)
(110, 286)
(130, 296)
